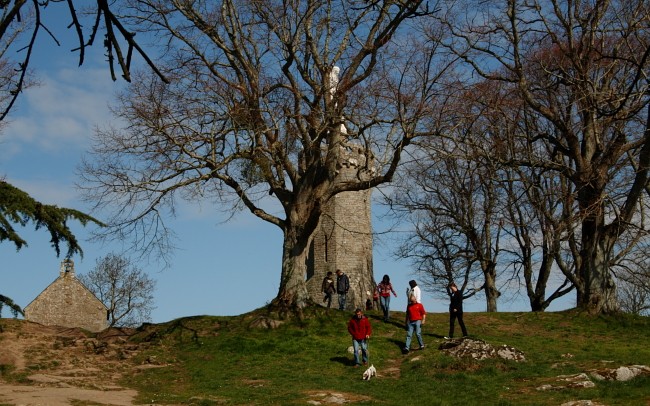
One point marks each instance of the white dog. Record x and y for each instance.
(369, 373)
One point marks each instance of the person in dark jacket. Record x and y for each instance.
(360, 330)
(342, 287)
(455, 309)
(328, 289)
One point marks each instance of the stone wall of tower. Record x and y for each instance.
(343, 239)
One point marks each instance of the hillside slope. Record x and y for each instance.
(256, 359)
(48, 365)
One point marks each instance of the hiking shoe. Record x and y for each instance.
(421, 348)
(447, 338)
(405, 350)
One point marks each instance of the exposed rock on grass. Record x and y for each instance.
(479, 349)
(620, 374)
(582, 380)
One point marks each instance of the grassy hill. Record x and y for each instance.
(206, 360)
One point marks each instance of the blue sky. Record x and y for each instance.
(218, 269)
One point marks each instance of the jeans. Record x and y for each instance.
(384, 302)
(363, 344)
(417, 326)
(342, 297)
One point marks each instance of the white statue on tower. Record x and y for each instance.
(334, 82)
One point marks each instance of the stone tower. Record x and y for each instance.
(343, 239)
(67, 302)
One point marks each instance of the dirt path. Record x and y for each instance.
(33, 396)
(62, 365)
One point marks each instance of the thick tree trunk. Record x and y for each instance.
(491, 291)
(537, 293)
(293, 294)
(597, 290)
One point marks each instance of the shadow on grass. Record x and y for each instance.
(343, 360)
(398, 343)
(380, 319)
(440, 336)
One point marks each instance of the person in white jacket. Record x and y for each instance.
(414, 290)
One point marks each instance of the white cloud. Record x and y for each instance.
(62, 112)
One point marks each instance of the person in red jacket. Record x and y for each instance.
(415, 318)
(360, 330)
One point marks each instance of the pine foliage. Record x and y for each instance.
(17, 207)
(15, 309)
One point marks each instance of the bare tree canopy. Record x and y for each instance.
(125, 290)
(452, 202)
(477, 220)
(580, 68)
(545, 153)
(267, 102)
(632, 269)
(21, 25)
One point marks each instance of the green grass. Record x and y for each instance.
(221, 360)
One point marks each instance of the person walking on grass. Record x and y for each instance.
(455, 309)
(385, 288)
(342, 287)
(415, 318)
(328, 289)
(375, 300)
(360, 330)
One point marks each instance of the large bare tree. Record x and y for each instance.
(582, 67)
(534, 205)
(452, 202)
(268, 99)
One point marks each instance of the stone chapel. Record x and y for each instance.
(67, 302)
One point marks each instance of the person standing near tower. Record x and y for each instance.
(328, 289)
(342, 288)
